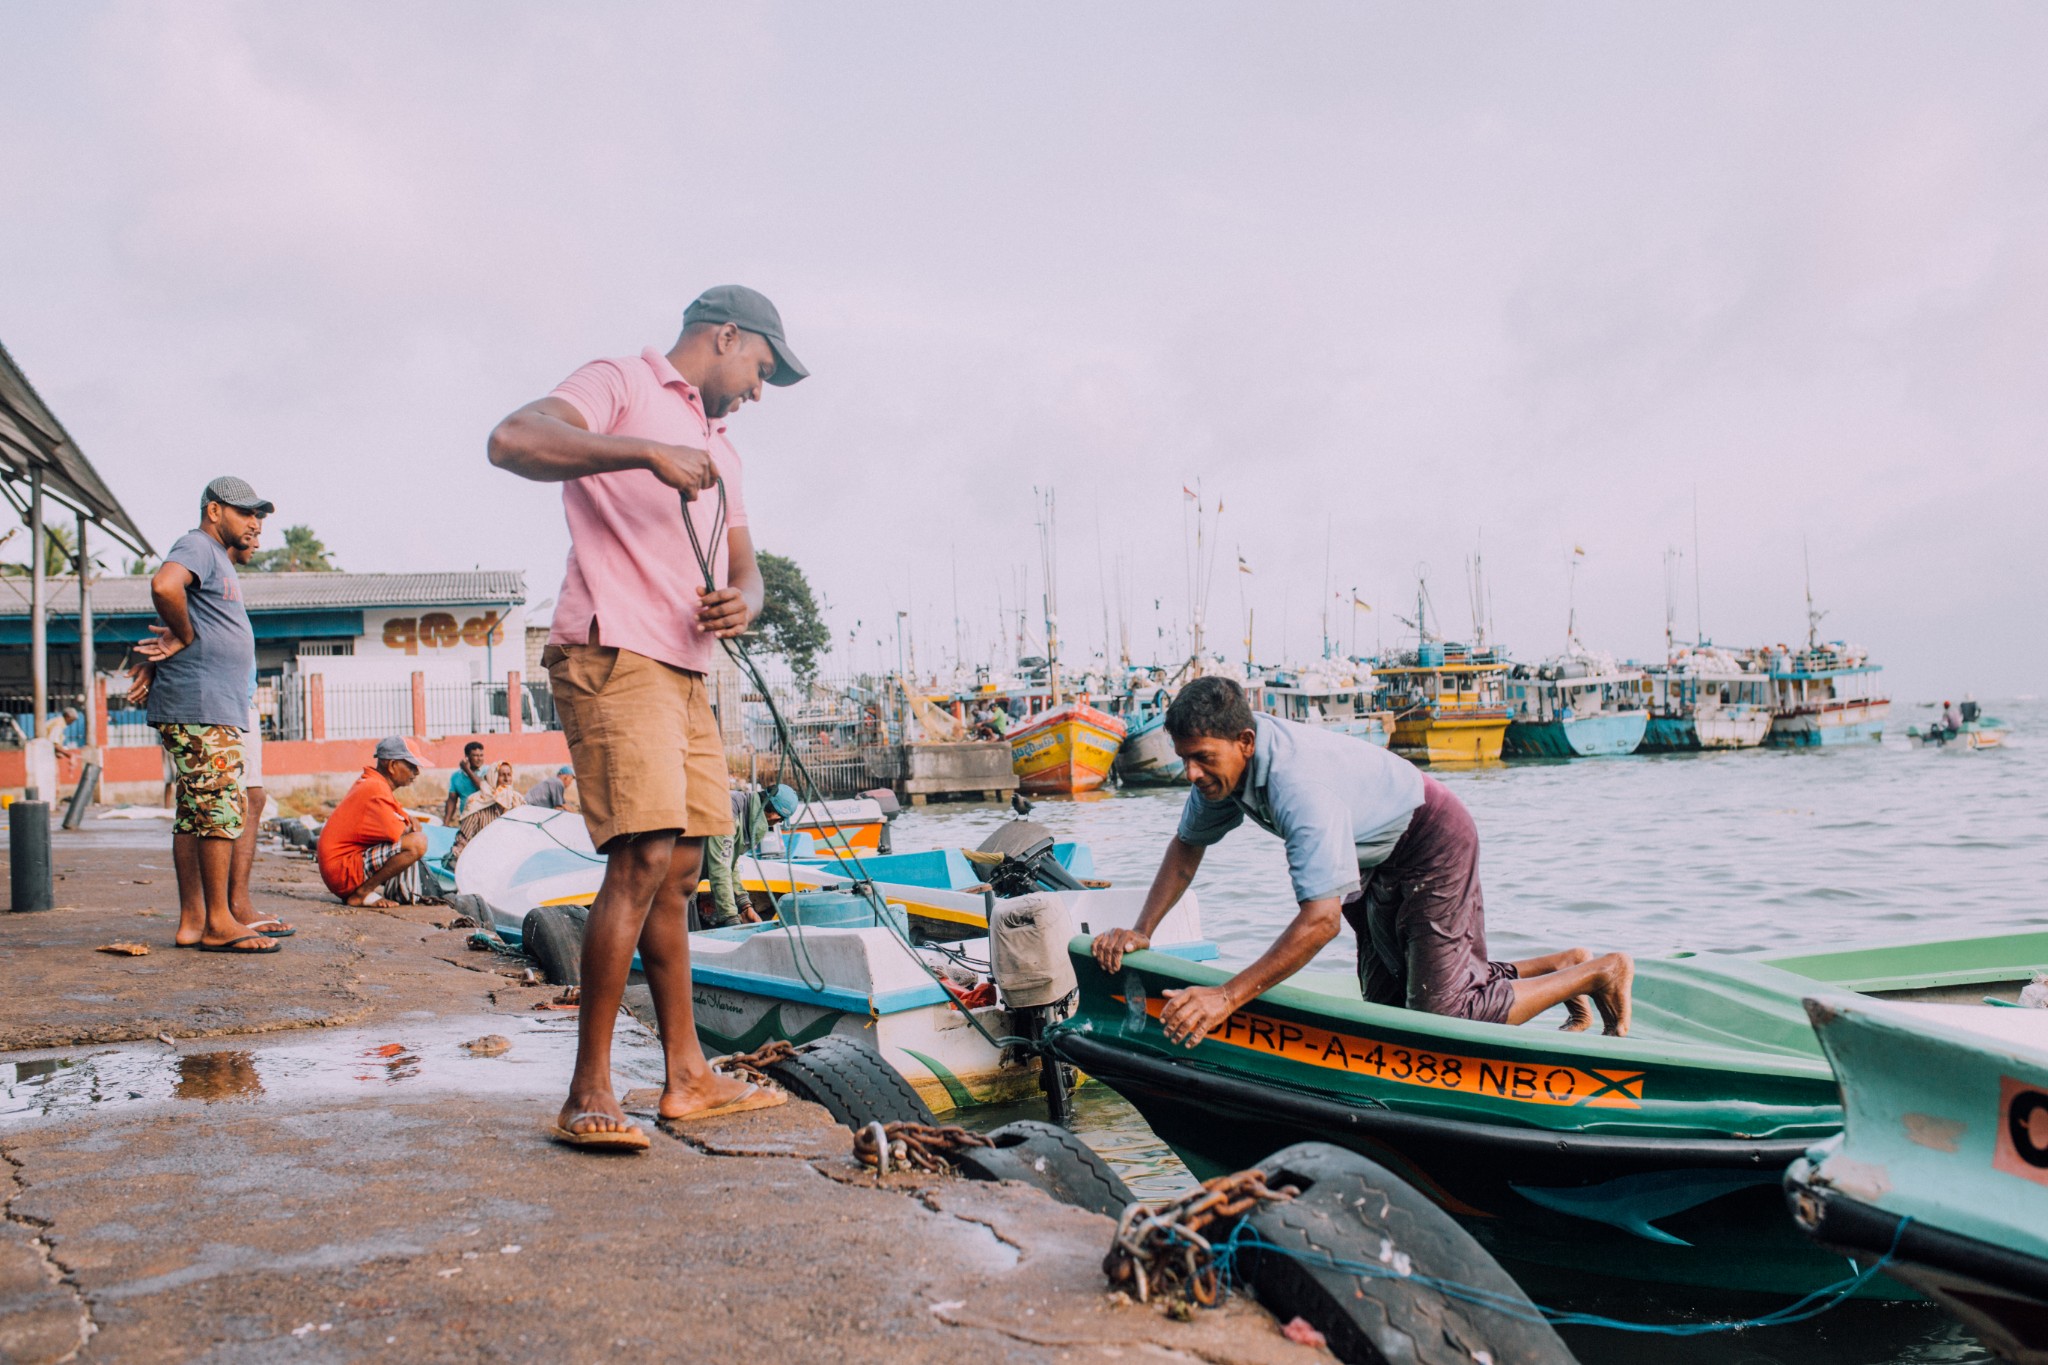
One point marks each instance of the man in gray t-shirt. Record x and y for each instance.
(197, 683)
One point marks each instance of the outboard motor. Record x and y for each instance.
(1020, 861)
(1027, 954)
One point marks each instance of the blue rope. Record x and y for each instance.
(1245, 1237)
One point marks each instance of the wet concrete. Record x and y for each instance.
(374, 1189)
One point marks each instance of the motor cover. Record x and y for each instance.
(1027, 938)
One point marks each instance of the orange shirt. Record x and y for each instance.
(369, 815)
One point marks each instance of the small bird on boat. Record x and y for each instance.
(1019, 804)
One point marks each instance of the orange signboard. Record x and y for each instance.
(1529, 1082)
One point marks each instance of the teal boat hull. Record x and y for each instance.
(1670, 735)
(1606, 735)
(1943, 1160)
(1147, 758)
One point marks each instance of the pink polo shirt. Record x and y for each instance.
(631, 568)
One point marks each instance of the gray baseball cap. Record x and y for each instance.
(396, 750)
(237, 493)
(751, 311)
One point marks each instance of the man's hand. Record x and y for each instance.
(724, 613)
(138, 684)
(1192, 1014)
(1109, 948)
(682, 468)
(162, 647)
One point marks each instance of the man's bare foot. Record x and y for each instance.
(716, 1088)
(593, 1114)
(1612, 996)
(1580, 1016)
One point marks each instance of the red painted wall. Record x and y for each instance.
(341, 758)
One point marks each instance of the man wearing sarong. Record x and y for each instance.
(1371, 842)
(371, 847)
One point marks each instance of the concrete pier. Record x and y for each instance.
(295, 1157)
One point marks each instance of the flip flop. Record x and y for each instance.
(272, 928)
(372, 901)
(757, 1097)
(229, 946)
(630, 1139)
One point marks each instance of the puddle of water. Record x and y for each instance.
(421, 1056)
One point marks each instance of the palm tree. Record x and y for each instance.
(302, 552)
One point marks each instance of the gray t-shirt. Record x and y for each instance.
(547, 793)
(207, 682)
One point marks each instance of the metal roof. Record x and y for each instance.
(31, 437)
(120, 594)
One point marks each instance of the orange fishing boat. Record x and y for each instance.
(1065, 749)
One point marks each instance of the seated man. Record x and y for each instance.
(1371, 841)
(371, 846)
(553, 793)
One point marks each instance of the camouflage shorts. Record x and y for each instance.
(208, 760)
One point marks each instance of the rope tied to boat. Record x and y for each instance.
(1160, 1248)
(914, 1146)
(753, 1066)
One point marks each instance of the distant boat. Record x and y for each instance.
(1147, 758)
(1702, 697)
(1331, 697)
(1447, 702)
(1065, 749)
(1578, 705)
(1825, 694)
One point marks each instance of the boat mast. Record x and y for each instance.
(1699, 632)
(1475, 590)
(1812, 616)
(1046, 536)
(1328, 526)
(1670, 604)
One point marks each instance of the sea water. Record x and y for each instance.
(1741, 851)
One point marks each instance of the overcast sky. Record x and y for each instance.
(1394, 281)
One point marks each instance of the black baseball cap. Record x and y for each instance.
(749, 310)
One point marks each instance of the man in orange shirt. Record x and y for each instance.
(370, 848)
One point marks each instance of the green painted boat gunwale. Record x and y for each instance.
(1979, 960)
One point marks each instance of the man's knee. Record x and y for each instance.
(414, 843)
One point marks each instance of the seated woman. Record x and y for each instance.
(1370, 841)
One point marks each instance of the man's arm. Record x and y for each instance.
(167, 588)
(547, 441)
(1176, 870)
(728, 611)
(1191, 1014)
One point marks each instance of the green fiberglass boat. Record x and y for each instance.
(1943, 1161)
(1657, 1156)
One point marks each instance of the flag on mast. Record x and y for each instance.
(1190, 493)
(1243, 567)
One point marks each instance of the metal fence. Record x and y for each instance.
(845, 730)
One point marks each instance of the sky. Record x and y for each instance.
(1393, 284)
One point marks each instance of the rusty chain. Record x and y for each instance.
(913, 1146)
(1160, 1250)
(753, 1066)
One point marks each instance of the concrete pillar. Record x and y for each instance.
(515, 703)
(98, 706)
(316, 706)
(38, 611)
(419, 705)
(95, 723)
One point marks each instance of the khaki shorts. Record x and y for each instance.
(646, 747)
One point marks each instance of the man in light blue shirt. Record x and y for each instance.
(1371, 841)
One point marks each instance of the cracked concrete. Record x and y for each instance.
(373, 1190)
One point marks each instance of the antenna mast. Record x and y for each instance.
(1699, 631)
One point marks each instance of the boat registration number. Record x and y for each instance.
(1528, 1082)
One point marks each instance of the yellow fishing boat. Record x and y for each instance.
(1448, 703)
(1065, 749)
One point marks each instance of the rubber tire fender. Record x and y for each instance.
(1054, 1160)
(852, 1082)
(1353, 1209)
(552, 935)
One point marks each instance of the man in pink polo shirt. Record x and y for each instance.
(631, 440)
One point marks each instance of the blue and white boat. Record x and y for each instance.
(1828, 693)
(1579, 705)
(1147, 758)
(1703, 697)
(1333, 695)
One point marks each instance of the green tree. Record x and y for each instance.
(790, 623)
(302, 552)
(59, 554)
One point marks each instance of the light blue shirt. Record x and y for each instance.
(1339, 802)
